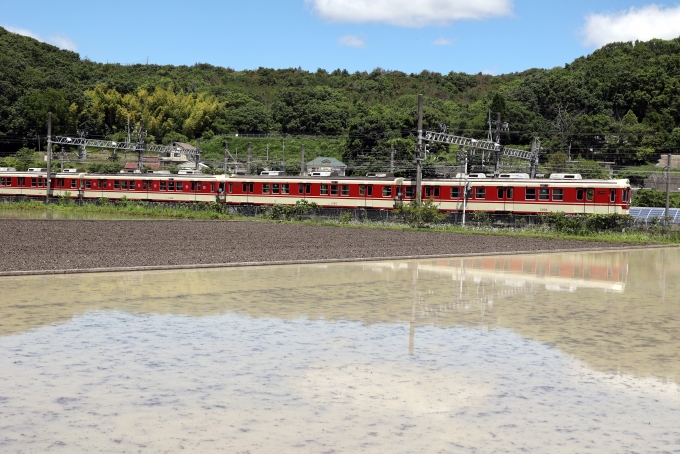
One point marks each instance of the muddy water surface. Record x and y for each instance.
(546, 353)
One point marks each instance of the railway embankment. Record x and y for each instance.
(36, 246)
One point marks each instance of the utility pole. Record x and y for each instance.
(498, 141)
(226, 153)
(392, 160)
(82, 151)
(302, 162)
(668, 189)
(49, 158)
(419, 150)
(250, 157)
(140, 146)
(198, 154)
(61, 159)
(535, 148)
(267, 154)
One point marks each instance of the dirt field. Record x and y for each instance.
(31, 245)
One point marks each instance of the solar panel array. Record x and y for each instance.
(649, 214)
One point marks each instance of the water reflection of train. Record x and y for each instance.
(563, 272)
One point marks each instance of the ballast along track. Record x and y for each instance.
(509, 193)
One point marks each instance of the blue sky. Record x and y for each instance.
(492, 36)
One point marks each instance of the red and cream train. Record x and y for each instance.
(508, 193)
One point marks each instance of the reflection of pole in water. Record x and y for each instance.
(663, 276)
(412, 330)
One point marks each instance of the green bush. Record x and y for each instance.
(584, 224)
(420, 215)
(297, 211)
(654, 198)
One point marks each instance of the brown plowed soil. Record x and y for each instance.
(30, 245)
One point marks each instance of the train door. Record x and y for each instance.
(366, 192)
(611, 204)
(506, 198)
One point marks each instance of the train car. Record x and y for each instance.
(497, 195)
(509, 193)
(142, 187)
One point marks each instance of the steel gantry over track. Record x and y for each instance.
(474, 144)
(138, 147)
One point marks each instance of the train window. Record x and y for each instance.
(2, 181)
(324, 189)
(124, 184)
(276, 188)
(612, 195)
(410, 192)
(579, 194)
(387, 191)
(590, 194)
(480, 193)
(180, 185)
(558, 194)
(220, 187)
(334, 189)
(88, 184)
(252, 187)
(455, 193)
(193, 185)
(345, 190)
(171, 185)
(544, 194)
(530, 194)
(34, 182)
(369, 190)
(40, 182)
(301, 188)
(265, 188)
(163, 185)
(308, 189)
(432, 192)
(74, 184)
(212, 187)
(101, 184)
(509, 192)
(501, 193)
(231, 187)
(116, 184)
(624, 198)
(285, 188)
(362, 189)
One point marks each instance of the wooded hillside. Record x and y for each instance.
(620, 104)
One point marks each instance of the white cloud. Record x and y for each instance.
(409, 13)
(63, 42)
(648, 22)
(443, 42)
(60, 40)
(352, 41)
(22, 32)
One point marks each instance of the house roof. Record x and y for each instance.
(326, 162)
(186, 146)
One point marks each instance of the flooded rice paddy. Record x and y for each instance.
(574, 352)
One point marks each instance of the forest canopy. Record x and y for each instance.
(619, 104)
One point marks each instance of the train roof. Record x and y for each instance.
(336, 179)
